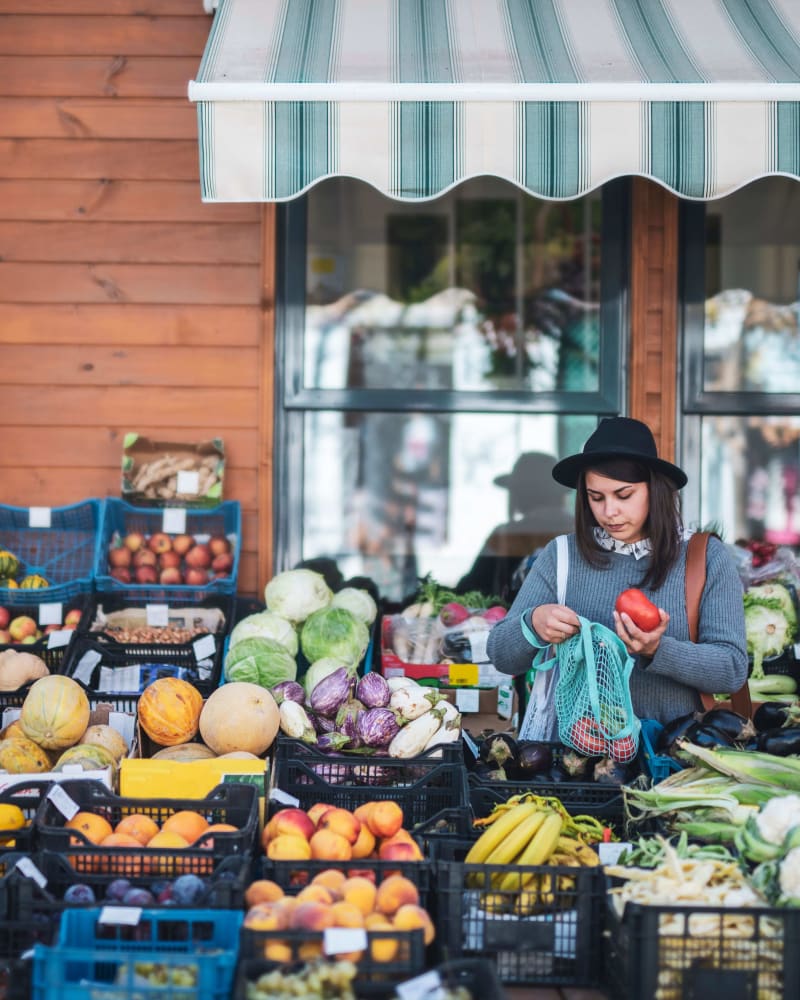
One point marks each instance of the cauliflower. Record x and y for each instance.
(777, 817)
(789, 877)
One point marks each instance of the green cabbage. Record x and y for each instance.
(768, 634)
(776, 596)
(357, 601)
(266, 625)
(260, 661)
(297, 593)
(334, 632)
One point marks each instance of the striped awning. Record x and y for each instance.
(556, 96)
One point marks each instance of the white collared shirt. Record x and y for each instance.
(638, 549)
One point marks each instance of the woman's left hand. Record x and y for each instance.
(637, 642)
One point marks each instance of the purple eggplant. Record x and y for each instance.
(373, 690)
(320, 722)
(347, 720)
(332, 742)
(332, 690)
(377, 727)
(288, 691)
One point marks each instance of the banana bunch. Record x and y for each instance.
(530, 832)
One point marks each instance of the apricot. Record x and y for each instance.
(385, 818)
(399, 850)
(189, 824)
(278, 951)
(332, 878)
(365, 844)
(267, 917)
(309, 951)
(94, 828)
(208, 842)
(394, 892)
(316, 893)
(363, 811)
(294, 822)
(412, 917)
(285, 847)
(263, 890)
(360, 892)
(330, 846)
(316, 811)
(381, 949)
(346, 914)
(340, 821)
(125, 863)
(142, 827)
(166, 840)
(311, 916)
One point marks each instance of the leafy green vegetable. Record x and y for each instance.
(259, 660)
(438, 596)
(776, 596)
(334, 632)
(768, 634)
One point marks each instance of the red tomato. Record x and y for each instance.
(587, 738)
(623, 749)
(642, 610)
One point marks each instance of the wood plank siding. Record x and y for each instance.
(125, 303)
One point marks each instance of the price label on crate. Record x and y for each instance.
(29, 870)
(428, 986)
(85, 668)
(59, 638)
(50, 613)
(129, 915)
(63, 801)
(283, 798)
(157, 615)
(337, 940)
(204, 647)
(188, 482)
(463, 675)
(39, 517)
(609, 853)
(468, 700)
(174, 521)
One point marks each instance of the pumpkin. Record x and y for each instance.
(55, 712)
(169, 711)
(106, 737)
(20, 755)
(33, 582)
(9, 564)
(184, 752)
(18, 668)
(87, 757)
(239, 716)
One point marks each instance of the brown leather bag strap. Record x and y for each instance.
(695, 582)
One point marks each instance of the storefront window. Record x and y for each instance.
(424, 348)
(742, 335)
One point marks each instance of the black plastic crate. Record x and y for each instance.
(27, 795)
(19, 936)
(555, 942)
(236, 804)
(15, 978)
(109, 603)
(661, 951)
(54, 657)
(449, 824)
(422, 786)
(478, 975)
(90, 654)
(292, 876)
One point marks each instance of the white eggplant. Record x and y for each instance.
(450, 712)
(411, 703)
(296, 723)
(450, 729)
(413, 738)
(396, 683)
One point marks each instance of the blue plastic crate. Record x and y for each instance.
(91, 958)
(65, 553)
(658, 766)
(121, 518)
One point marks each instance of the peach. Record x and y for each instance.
(72, 618)
(381, 949)
(315, 893)
(399, 850)
(295, 822)
(393, 892)
(360, 892)
(385, 818)
(285, 847)
(333, 879)
(411, 917)
(182, 543)
(263, 890)
(316, 812)
(278, 951)
(329, 846)
(341, 821)
(309, 951)
(362, 812)
(267, 917)
(347, 914)
(365, 844)
(311, 916)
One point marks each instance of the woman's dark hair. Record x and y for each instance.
(663, 525)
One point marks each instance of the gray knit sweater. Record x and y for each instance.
(666, 686)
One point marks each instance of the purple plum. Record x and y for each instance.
(116, 890)
(79, 893)
(138, 897)
(187, 890)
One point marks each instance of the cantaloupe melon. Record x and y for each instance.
(239, 716)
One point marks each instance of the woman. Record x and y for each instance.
(628, 533)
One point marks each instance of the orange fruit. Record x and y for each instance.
(187, 823)
(142, 827)
(208, 842)
(95, 828)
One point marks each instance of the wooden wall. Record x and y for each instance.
(125, 303)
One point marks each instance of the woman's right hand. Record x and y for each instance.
(554, 623)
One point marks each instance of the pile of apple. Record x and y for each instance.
(24, 630)
(169, 559)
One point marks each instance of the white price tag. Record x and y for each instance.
(428, 986)
(29, 870)
(157, 615)
(283, 798)
(50, 613)
(130, 915)
(609, 853)
(59, 638)
(65, 804)
(85, 669)
(120, 680)
(477, 645)
(204, 647)
(174, 522)
(188, 482)
(336, 940)
(39, 517)
(468, 700)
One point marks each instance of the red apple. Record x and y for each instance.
(5, 637)
(169, 560)
(5, 617)
(170, 575)
(219, 544)
(134, 540)
(182, 543)
(73, 617)
(121, 573)
(119, 555)
(199, 556)
(21, 626)
(222, 564)
(159, 542)
(146, 574)
(196, 577)
(145, 557)
(51, 628)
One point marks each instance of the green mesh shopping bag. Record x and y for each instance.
(592, 692)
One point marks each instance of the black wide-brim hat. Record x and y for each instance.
(617, 437)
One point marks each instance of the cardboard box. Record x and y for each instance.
(156, 473)
(429, 635)
(495, 710)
